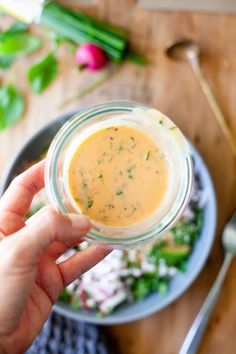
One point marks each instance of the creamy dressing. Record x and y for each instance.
(118, 176)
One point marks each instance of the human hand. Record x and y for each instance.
(30, 279)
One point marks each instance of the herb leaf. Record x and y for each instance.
(148, 155)
(17, 27)
(19, 44)
(89, 203)
(119, 192)
(42, 73)
(12, 106)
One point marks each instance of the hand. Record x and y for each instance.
(30, 279)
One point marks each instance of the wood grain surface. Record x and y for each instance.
(170, 87)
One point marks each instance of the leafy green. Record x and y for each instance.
(149, 282)
(174, 255)
(6, 62)
(19, 44)
(12, 106)
(187, 232)
(162, 286)
(64, 296)
(17, 27)
(42, 73)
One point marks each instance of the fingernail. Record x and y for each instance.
(79, 222)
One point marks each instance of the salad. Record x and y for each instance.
(126, 276)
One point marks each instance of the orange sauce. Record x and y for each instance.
(118, 176)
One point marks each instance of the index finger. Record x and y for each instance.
(18, 197)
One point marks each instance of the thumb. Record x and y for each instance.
(46, 227)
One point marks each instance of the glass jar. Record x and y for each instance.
(161, 129)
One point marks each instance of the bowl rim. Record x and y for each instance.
(64, 309)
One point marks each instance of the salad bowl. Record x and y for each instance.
(180, 280)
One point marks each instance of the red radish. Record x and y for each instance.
(90, 56)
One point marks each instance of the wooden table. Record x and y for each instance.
(170, 87)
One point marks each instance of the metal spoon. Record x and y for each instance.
(196, 332)
(188, 50)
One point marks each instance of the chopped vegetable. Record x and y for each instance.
(12, 105)
(90, 56)
(42, 73)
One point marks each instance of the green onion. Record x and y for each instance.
(82, 28)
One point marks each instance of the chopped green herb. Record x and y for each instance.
(148, 155)
(130, 169)
(100, 176)
(130, 176)
(120, 148)
(99, 161)
(161, 121)
(132, 138)
(89, 203)
(119, 192)
(172, 128)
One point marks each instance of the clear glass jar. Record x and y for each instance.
(170, 140)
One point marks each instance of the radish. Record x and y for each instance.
(90, 56)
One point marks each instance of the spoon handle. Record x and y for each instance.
(196, 332)
(212, 102)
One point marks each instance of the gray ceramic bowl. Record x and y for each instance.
(155, 302)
